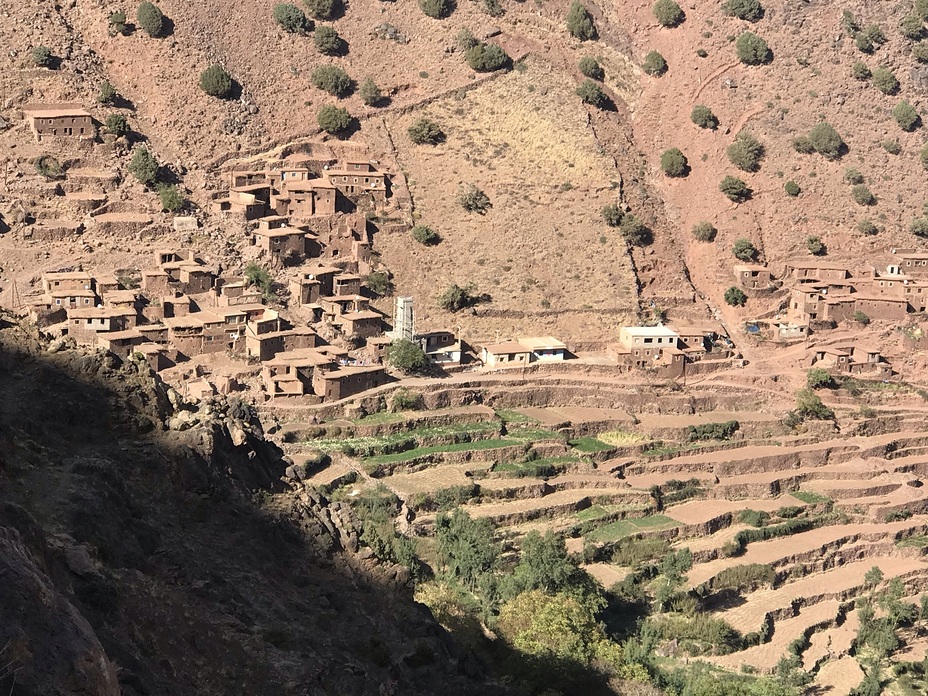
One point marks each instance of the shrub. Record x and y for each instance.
(436, 9)
(42, 56)
(426, 132)
(612, 215)
(117, 23)
(869, 38)
(867, 227)
(748, 10)
(107, 93)
(815, 246)
(406, 356)
(171, 199)
(920, 51)
(852, 176)
(473, 200)
(817, 378)
(654, 64)
(704, 231)
(885, 81)
(826, 140)
(668, 13)
(911, 27)
(333, 119)
(332, 79)
(735, 189)
(144, 166)
(891, 146)
(810, 407)
(673, 163)
(150, 18)
(906, 116)
(712, 431)
(746, 152)
(487, 57)
(323, 9)
(591, 68)
(634, 231)
(379, 283)
(456, 298)
(465, 39)
(291, 18)
(744, 250)
(861, 71)
(117, 124)
(753, 518)
(49, 167)
(751, 49)
(327, 41)
(803, 145)
(425, 235)
(861, 318)
(216, 82)
(591, 93)
(792, 188)
(580, 22)
(703, 117)
(862, 195)
(369, 92)
(735, 297)
(923, 156)
(919, 227)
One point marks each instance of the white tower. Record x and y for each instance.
(404, 319)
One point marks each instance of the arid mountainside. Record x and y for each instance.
(137, 561)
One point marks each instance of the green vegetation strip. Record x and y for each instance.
(348, 444)
(624, 528)
(435, 449)
(589, 444)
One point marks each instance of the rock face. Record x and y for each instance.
(180, 555)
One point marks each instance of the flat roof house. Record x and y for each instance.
(506, 353)
(59, 121)
(544, 348)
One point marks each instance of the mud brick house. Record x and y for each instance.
(85, 323)
(121, 343)
(177, 272)
(265, 346)
(333, 385)
(646, 344)
(810, 271)
(315, 372)
(911, 263)
(70, 299)
(282, 244)
(313, 284)
(59, 121)
(236, 292)
(357, 179)
(361, 324)
(506, 353)
(854, 360)
(753, 276)
(306, 198)
(218, 330)
(67, 280)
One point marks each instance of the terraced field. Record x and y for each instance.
(784, 528)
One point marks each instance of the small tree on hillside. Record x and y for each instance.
(327, 41)
(591, 68)
(171, 198)
(117, 124)
(258, 276)
(668, 13)
(746, 152)
(704, 231)
(612, 215)
(591, 93)
(744, 250)
(634, 231)
(144, 166)
(912, 27)
(150, 18)
(867, 227)
(291, 18)
(332, 79)
(42, 56)
(117, 23)
(862, 195)
(826, 140)
(455, 298)
(810, 407)
(748, 10)
(436, 9)
(370, 93)
(885, 81)
(735, 297)
(323, 9)
(654, 64)
(333, 119)
(487, 57)
(703, 117)
(906, 116)
(107, 93)
(923, 156)
(861, 71)
(580, 22)
(673, 163)
(735, 189)
(425, 235)
(216, 82)
(870, 38)
(815, 246)
(920, 51)
(406, 356)
(792, 188)
(751, 49)
(426, 132)
(473, 200)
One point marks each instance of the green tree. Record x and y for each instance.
(333, 119)
(751, 49)
(144, 166)
(704, 231)
(817, 378)
(654, 64)
(150, 18)
(455, 298)
(668, 13)
(117, 125)
(406, 356)
(612, 214)
(744, 250)
(473, 200)
(861, 317)
(735, 189)
(258, 276)
(703, 117)
(486, 57)
(634, 231)
(591, 68)
(746, 152)
(810, 407)
(465, 548)
(117, 23)
(815, 246)
(735, 297)
(912, 27)
(49, 167)
(866, 227)
(216, 82)
(323, 9)
(792, 188)
(906, 116)
(379, 283)
(426, 132)
(291, 18)
(923, 156)
(862, 195)
(748, 10)
(370, 93)
(861, 71)
(171, 198)
(826, 140)
(920, 51)
(580, 22)
(673, 163)
(42, 56)
(436, 9)
(327, 41)
(550, 627)
(591, 93)
(107, 93)
(332, 79)
(870, 38)
(919, 227)
(885, 81)
(425, 235)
